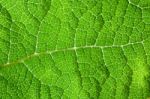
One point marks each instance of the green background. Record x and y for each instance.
(74, 49)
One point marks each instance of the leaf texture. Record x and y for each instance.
(74, 49)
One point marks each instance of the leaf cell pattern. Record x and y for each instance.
(74, 49)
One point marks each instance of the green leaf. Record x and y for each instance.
(74, 49)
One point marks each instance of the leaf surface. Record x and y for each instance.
(74, 49)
